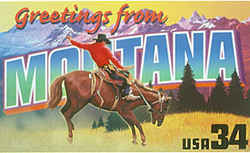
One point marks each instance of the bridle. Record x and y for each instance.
(160, 100)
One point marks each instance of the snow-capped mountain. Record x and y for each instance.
(196, 22)
(39, 36)
(33, 37)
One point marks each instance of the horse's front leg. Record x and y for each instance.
(130, 117)
(134, 133)
(132, 127)
(127, 117)
(143, 138)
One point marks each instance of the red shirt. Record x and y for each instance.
(99, 52)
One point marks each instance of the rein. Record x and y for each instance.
(144, 99)
(160, 100)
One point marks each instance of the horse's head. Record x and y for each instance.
(159, 109)
(157, 102)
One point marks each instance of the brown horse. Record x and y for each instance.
(79, 90)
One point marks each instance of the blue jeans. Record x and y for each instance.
(125, 89)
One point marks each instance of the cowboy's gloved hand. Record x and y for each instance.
(69, 38)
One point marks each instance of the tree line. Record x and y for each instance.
(222, 99)
(113, 122)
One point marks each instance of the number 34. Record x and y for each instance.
(222, 131)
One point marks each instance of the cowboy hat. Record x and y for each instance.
(101, 38)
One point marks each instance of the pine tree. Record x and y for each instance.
(114, 122)
(94, 126)
(150, 84)
(100, 122)
(171, 94)
(173, 105)
(189, 99)
(248, 96)
(247, 101)
(218, 99)
(235, 95)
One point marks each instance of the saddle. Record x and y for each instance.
(112, 75)
(105, 75)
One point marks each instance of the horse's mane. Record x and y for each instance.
(140, 85)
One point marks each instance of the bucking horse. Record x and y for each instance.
(84, 87)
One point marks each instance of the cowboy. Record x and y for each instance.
(105, 60)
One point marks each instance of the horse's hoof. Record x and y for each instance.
(70, 140)
(143, 144)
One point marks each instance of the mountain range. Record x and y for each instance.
(39, 36)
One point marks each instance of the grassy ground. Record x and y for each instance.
(168, 137)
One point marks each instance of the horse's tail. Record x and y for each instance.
(56, 92)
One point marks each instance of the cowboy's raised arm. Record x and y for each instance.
(80, 45)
